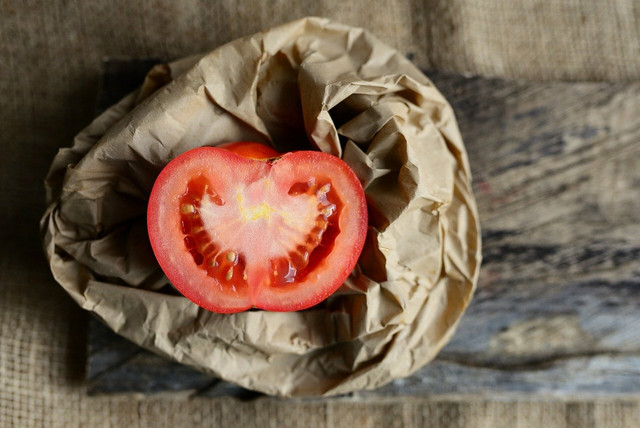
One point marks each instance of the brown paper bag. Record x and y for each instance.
(310, 84)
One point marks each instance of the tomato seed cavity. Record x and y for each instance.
(320, 239)
(228, 266)
(301, 188)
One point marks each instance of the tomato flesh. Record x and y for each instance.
(232, 233)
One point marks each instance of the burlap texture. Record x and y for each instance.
(50, 57)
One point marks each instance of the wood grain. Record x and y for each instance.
(557, 178)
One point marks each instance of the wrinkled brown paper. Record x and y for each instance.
(308, 84)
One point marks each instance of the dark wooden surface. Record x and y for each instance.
(557, 312)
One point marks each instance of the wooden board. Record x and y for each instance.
(556, 171)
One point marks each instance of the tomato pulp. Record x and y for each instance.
(241, 227)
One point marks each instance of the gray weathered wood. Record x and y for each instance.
(557, 179)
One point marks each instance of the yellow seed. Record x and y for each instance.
(229, 274)
(244, 276)
(328, 211)
(231, 256)
(325, 188)
(187, 208)
(275, 273)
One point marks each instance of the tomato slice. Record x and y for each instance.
(234, 232)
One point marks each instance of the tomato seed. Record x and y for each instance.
(324, 189)
(329, 210)
(197, 257)
(291, 273)
(187, 209)
(231, 256)
(303, 253)
(229, 274)
(300, 259)
(189, 241)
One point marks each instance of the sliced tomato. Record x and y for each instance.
(235, 232)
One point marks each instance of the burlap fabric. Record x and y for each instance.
(50, 58)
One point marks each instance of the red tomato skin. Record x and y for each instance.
(326, 277)
(251, 150)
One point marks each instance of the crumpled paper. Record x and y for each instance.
(310, 84)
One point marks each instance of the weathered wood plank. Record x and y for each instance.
(556, 177)
(116, 365)
(584, 377)
(557, 180)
